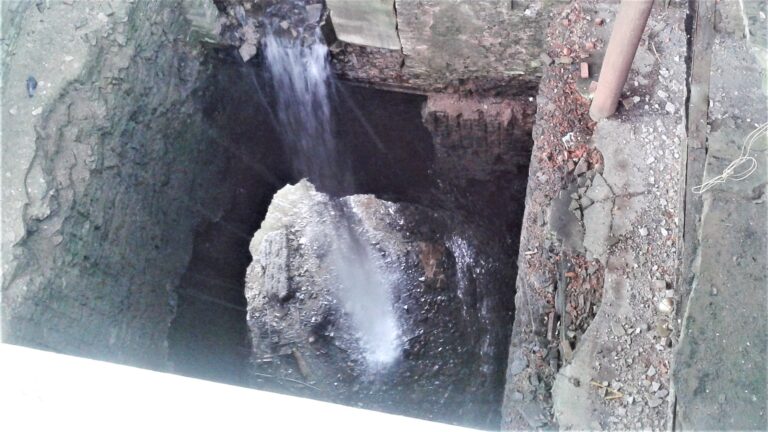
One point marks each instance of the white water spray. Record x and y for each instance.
(364, 289)
(301, 76)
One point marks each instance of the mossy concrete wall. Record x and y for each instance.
(107, 168)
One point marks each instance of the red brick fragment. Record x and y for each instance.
(584, 70)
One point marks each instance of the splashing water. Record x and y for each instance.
(301, 76)
(464, 255)
(364, 291)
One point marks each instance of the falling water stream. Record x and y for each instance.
(301, 75)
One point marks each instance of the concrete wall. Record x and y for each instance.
(371, 23)
(482, 45)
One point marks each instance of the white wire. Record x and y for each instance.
(730, 173)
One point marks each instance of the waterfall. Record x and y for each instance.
(301, 75)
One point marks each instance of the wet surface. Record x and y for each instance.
(446, 278)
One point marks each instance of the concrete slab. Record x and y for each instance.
(564, 224)
(627, 211)
(367, 22)
(619, 376)
(719, 373)
(448, 40)
(599, 191)
(626, 167)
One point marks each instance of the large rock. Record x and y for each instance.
(389, 306)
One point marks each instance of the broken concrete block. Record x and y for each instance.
(599, 191)
(532, 414)
(625, 170)
(584, 70)
(564, 224)
(203, 19)
(247, 51)
(597, 229)
(314, 12)
(369, 23)
(581, 167)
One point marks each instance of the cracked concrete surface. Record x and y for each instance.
(598, 221)
(633, 227)
(719, 379)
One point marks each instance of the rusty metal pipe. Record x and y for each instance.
(625, 38)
